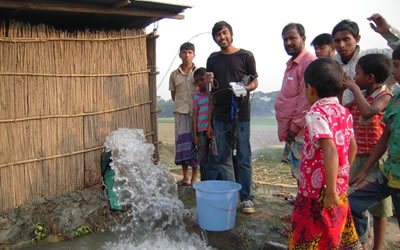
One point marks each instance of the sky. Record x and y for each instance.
(257, 26)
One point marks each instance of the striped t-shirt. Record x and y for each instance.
(200, 103)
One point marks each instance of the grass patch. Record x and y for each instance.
(165, 120)
(166, 133)
(267, 167)
(167, 155)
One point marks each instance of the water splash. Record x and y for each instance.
(155, 217)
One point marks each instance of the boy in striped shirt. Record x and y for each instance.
(200, 119)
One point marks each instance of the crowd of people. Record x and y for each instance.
(337, 112)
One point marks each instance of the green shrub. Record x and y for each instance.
(40, 231)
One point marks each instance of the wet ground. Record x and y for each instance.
(272, 183)
(261, 230)
(272, 186)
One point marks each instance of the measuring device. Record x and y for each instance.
(238, 89)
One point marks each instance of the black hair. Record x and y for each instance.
(186, 46)
(396, 54)
(297, 26)
(377, 64)
(347, 25)
(322, 39)
(199, 72)
(219, 26)
(326, 76)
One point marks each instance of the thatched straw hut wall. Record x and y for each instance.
(61, 93)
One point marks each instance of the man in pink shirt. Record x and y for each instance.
(291, 103)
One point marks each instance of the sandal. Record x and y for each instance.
(182, 183)
(286, 218)
(285, 232)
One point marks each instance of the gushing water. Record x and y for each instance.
(155, 218)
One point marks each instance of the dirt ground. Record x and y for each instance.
(272, 185)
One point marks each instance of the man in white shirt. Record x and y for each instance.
(346, 37)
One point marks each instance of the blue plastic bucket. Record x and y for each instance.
(216, 204)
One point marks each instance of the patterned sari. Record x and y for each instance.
(315, 227)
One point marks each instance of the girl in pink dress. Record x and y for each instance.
(322, 216)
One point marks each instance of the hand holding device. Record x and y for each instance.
(238, 89)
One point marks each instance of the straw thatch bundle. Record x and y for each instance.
(61, 93)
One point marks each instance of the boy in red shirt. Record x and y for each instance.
(371, 99)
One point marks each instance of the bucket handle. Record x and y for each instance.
(212, 204)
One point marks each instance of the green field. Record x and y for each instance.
(263, 121)
(166, 120)
(255, 121)
(263, 131)
(266, 163)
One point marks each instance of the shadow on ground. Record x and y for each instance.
(260, 230)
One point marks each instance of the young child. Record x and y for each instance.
(371, 97)
(321, 216)
(388, 181)
(200, 119)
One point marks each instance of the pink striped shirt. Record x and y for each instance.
(200, 103)
(291, 104)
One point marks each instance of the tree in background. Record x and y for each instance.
(167, 108)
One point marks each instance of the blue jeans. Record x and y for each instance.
(222, 164)
(369, 195)
(203, 154)
(295, 162)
